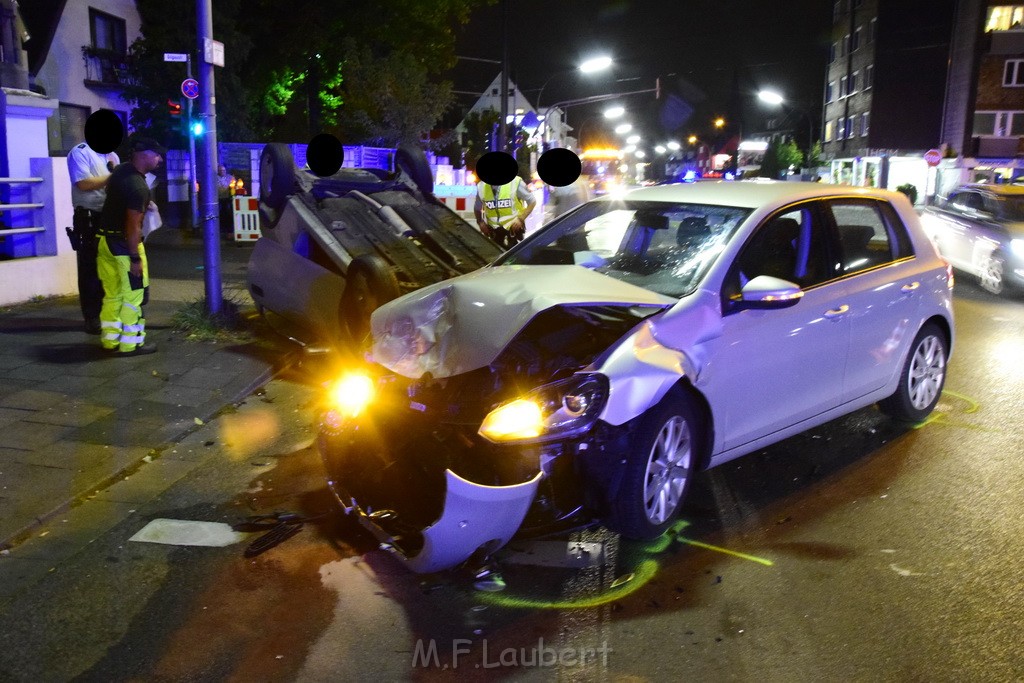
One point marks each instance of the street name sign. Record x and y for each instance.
(175, 57)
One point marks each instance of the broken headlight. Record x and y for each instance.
(554, 411)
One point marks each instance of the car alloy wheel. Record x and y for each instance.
(662, 454)
(927, 372)
(991, 278)
(668, 468)
(921, 379)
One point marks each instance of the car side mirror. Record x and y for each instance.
(765, 291)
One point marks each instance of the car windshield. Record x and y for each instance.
(664, 247)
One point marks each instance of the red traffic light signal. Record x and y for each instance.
(173, 107)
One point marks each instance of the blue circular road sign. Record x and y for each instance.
(190, 88)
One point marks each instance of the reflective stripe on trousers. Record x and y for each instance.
(123, 327)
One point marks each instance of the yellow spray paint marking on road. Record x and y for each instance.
(942, 418)
(628, 582)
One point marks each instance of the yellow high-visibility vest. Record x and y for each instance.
(501, 210)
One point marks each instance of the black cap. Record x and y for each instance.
(149, 144)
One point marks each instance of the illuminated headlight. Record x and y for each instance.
(554, 411)
(1017, 247)
(350, 395)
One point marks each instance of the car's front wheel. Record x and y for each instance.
(661, 461)
(921, 379)
(992, 275)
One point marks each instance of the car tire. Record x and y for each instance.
(992, 276)
(277, 175)
(921, 378)
(369, 283)
(413, 162)
(662, 458)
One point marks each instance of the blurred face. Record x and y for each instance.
(150, 159)
(221, 170)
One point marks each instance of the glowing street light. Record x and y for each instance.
(614, 112)
(623, 128)
(719, 122)
(673, 145)
(692, 139)
(660, 149)
(632, 139)
(596, 64)
(640, 154)
(629, 149)
(770, 97)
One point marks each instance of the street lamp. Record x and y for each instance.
(623, 128)
(775, 99)
(589, 66)
(614, 112)
(632, 139)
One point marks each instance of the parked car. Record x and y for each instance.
(588, 373)
(979, 228)
(332, 249)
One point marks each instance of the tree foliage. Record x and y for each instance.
(365, 71)
(789, 155)
(479, 127)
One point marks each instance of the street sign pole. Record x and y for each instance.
(191, 157)
(208, 162)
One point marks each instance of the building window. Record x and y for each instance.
(840, 128)
(872, 28)
(846, 45)
(869, 76)
(830, 90)
(1005, 18)
(850, 123)
(864, 119)
(842, 87)
(828, 131)
(853, 81)
(1013, 73)
(836, 9)
(832, 53)
(985, 123)
(107, 32)
(855, 40)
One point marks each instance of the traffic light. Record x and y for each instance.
(198, 128)
(173, 107)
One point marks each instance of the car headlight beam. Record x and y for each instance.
(557, 410)
(351, 394)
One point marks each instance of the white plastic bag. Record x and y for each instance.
(151, 221)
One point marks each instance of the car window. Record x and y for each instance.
(790, 245)
(1009, 208)
(964, 202)
(866, 239)
(661, 246)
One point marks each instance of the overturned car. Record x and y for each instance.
(590, 371)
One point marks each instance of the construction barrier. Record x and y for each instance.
(246, 213)
(462, 206)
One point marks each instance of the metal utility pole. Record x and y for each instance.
(208, 159)
(502, 121)
(193, 206)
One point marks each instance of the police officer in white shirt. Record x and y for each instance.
(89, 171)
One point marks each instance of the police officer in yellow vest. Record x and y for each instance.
(501, 210)
(121, 259)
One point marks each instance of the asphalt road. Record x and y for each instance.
(857, 551)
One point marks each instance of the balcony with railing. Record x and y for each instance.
(107, 68)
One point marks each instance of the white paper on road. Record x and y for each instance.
(187, 532)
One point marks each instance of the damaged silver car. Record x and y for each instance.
(588, 373)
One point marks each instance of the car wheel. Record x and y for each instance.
(413, 162)
(661, 460)
(369, 283)
(991, 275)
(921, 379)
(277, 175)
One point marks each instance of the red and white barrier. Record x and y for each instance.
(246, 214)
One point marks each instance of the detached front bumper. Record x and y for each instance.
(400, 483)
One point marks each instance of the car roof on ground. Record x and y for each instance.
(744, 193)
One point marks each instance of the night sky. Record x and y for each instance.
(704, 50)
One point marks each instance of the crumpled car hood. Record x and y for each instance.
(462, 324)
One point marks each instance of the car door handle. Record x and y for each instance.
(911, 287)
(837, 312)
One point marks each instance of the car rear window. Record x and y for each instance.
(870, 234)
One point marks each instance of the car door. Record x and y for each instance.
(954, 241)
(772, 368)
(883, 284)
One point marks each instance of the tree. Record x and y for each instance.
(789, 155)
(814, 156)
(368, 71)
(477, 138)
(770, 162)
